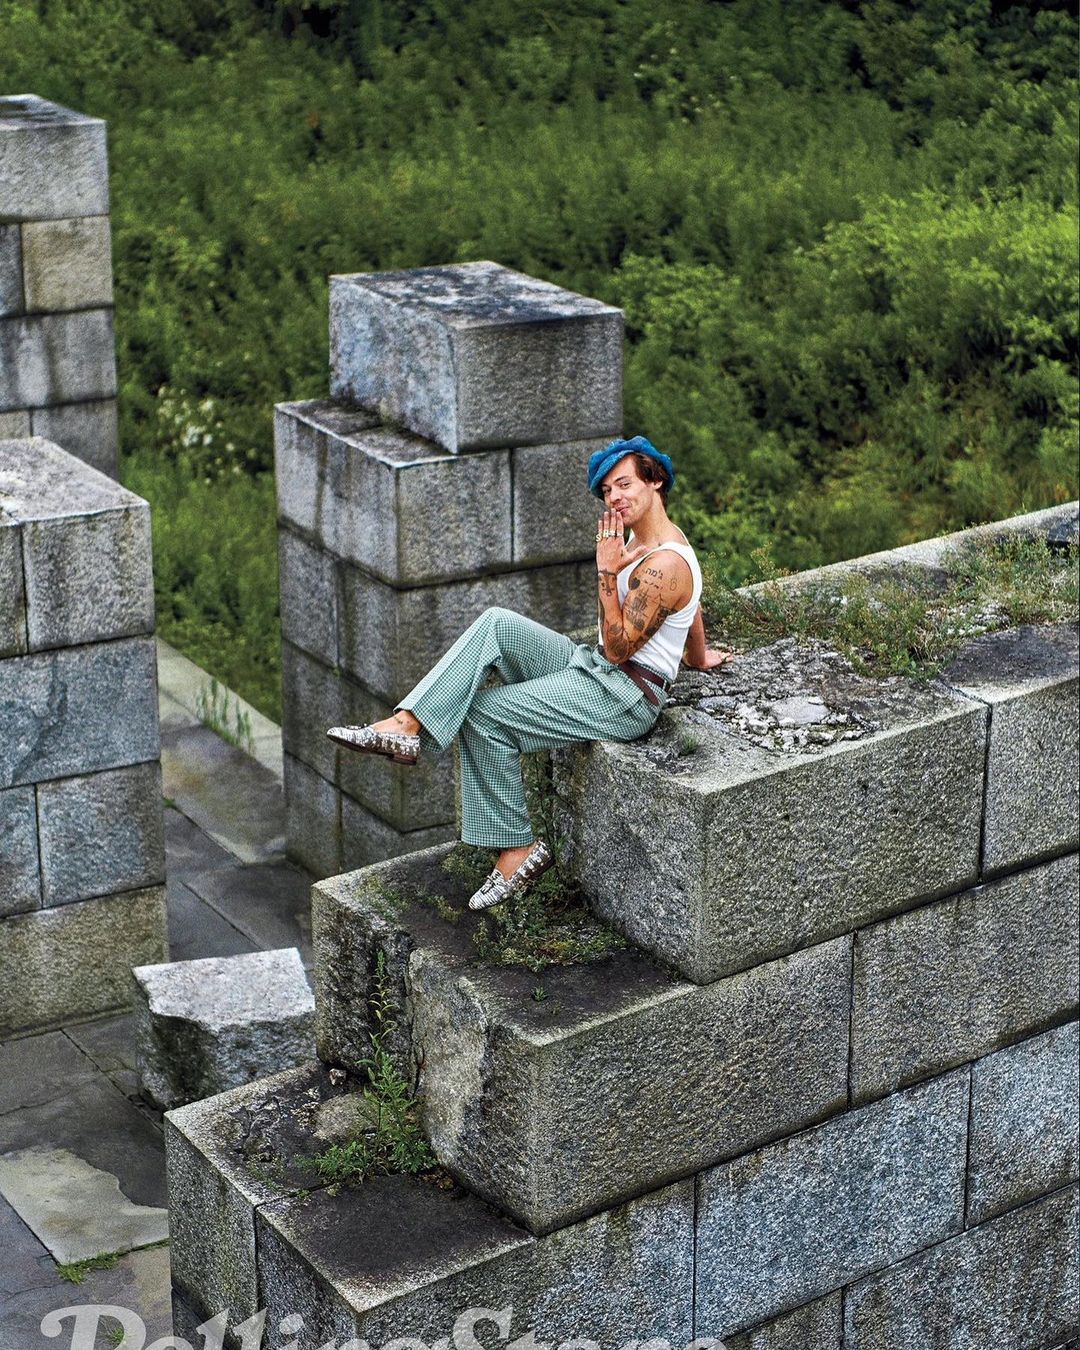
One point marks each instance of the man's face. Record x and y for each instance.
(626, 491)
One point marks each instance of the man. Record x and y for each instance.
(558, 692)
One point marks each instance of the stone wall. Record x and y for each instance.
(57, 361)
(447, 474)
(82, 865)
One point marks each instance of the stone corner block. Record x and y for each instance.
(477, 356)
(208, 1025)
(52, 161)
(67, 264)
(11, 284)
(89, 431)
(12, 588)
(20, 863)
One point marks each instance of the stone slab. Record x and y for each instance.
(77, 1211)
(85, 544)
(399, 506)
(89, 431)
(39, 1069)
(67, 264)
(78, 710)
(190, 849)
(735, 854)
(196, 929)
(11, 282)
(110, 1044)
(269, 903)
(312, 819)
(477, 356)
(226, 1156)
(52, 161)
(316, 697)
(814, 1326)
(963, 977)
(621, 1080)
(309, 601)
(1029, 676)
(12, 588)
(101, 833)
(801, 1217)
(390, 639)
(56, 358)
(367, 838)
(20, 863)
(1024, 1123)
(398, 1257)
(1009, 1282)
(15, 424)
(94, 943)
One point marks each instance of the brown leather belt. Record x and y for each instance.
(648, 681)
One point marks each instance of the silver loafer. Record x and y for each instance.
(401, 746)
(498, 888)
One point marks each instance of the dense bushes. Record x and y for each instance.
(844, 236)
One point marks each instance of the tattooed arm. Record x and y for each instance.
(659, 586)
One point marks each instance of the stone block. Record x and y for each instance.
(227, 1155)
(52, 161)
(476, 356)
(89, 431)
(12, 590)
(101, 833)
(963, 977)
(621, 1080)
(74, 961)
(1024, 1123)
(308, 589)
(367, 838)
(11, 285)
(390, 639)
(20, 865)
(814, 1326)
(312, 819)
(399, 1258)
(56, 358)
(213, 1024)
(736, 853)
(78, 710)
(315, 698)
(555, 514)
(1011, 1282)
(67, 264)
(398, 506)
(804, 1216)
(1029, 678)
(15, 425)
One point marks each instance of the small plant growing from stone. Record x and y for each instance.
(391, 1138)
(116, 1336)
(212, 709)
(75, 1272)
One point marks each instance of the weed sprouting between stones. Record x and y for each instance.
(75, 1272)
(212, 707)
(906, 621)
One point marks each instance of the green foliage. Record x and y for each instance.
(212, 708)
(844, 237)
(75, 1272)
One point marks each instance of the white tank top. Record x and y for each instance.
(664, 649)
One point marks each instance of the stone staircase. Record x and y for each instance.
(825, 1095)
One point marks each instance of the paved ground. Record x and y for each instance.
(230, 890)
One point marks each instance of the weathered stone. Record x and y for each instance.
(1024, 1123)
(390, 639)
(209, 1025)
(476, 355)
(67, 264)
(12, 591)
(399, 506)
(101, 833)
(75, 960)
(312, 819)
(15, 425)
(810, 1213)
(555, 514)
(314, 698)
(814, 1326)
(607, 1087)
(89, 431)
(731, 855)
(20, 879)
(397, 1257)
(56, 358)
(962, 977)
(367, 838)
(52, 161)
(1029, 678)
(78, 710)
(1010, 1282)
(11, 287)
(308, 586)
(1064, 534)
(227, 1155)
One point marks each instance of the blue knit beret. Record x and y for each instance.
(601, 462)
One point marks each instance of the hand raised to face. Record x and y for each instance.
(612, 555)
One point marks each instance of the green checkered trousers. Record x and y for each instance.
(557, 692)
